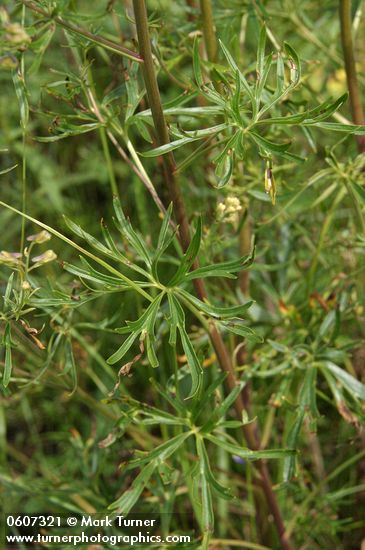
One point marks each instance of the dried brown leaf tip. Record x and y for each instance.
(125, 369)
(33, 332)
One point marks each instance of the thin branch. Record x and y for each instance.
(209, 30)
(138, 170)
(349, 58)
(221, 351)
(95, 38)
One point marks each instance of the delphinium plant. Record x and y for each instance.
(194, 338)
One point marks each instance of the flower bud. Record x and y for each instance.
(10, 258)
(270, 186)
(47, 256)
(16, 35)
(40, 237)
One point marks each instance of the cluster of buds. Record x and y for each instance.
(12, 259)
(14, 34)
(15, 259)
(229, 210)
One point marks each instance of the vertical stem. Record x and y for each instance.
(221, 351)
(349, 58)
(109, 163)
(162, 134)
(209, 30)
(210, 39)
(191, 5)
(245, 247)
(24, 160)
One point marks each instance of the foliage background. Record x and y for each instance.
(62, 443)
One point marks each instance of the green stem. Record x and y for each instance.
(231, 543)
(109, 163)
(96, 39)
(350, 67)
(325, 227)
(210, 39)
(223, 355)
(162, 133)
(102, 133)
(24, 160)
(357, 207)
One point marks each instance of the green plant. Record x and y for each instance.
(210, 328)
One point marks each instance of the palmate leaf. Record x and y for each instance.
(314, 117)
(148, 415)
(91, 274)
(70, 365)
(178, 320)
(145, 324)
(144, 321)
(269, 147)
(237, 327)
(338, 127)
(120, 353)
(196, 65)
(128, 499)
(241, 124)
(92, 241)
(224, 269)
(150, 463)
(8, 361)
(220, 411)
(292, 440)
(109, 241)
(359, 192)
(225, 161)
(189, 137)
(165, 238)
(206, 471)
(229, 312)
(189, 256)
(205, 486)
(353, 386)
(178, 405)
(247, 454)
(245, 85)
(207, 395)
(307, 406)
(71, 130)
(126, 229)
(163, 451)
(196, 369)
(260, 62)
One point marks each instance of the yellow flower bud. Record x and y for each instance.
(47, 256)
(40, 237)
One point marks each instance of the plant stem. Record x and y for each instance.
(162, 133)
(350, 67)
(108, 160)
(103, 138)
(24, 159)
(210, 39)
(96, 39)
(209, 30)
(221, 351)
